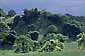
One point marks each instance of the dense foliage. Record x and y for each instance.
(81, 40)
(39, 30)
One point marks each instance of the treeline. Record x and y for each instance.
(36, 22)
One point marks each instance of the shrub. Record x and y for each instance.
(81, 40)
(21, 44)
(52, 45)
(59, 36)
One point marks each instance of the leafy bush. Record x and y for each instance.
(21, 44)
(81, 40)
(59, 36)
(52, 45)
(24, 44)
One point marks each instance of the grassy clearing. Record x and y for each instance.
(70, 50)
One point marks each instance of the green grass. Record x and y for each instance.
(70, 50)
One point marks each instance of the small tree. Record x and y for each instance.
(52, 29)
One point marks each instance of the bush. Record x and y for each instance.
(21, 44)
(52, 45)
(60, 37)
(81, 40)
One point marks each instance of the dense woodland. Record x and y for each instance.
(35, 28)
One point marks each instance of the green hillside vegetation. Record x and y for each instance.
(41, 33)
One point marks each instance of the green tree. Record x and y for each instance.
(52, 29)
(11, 13)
